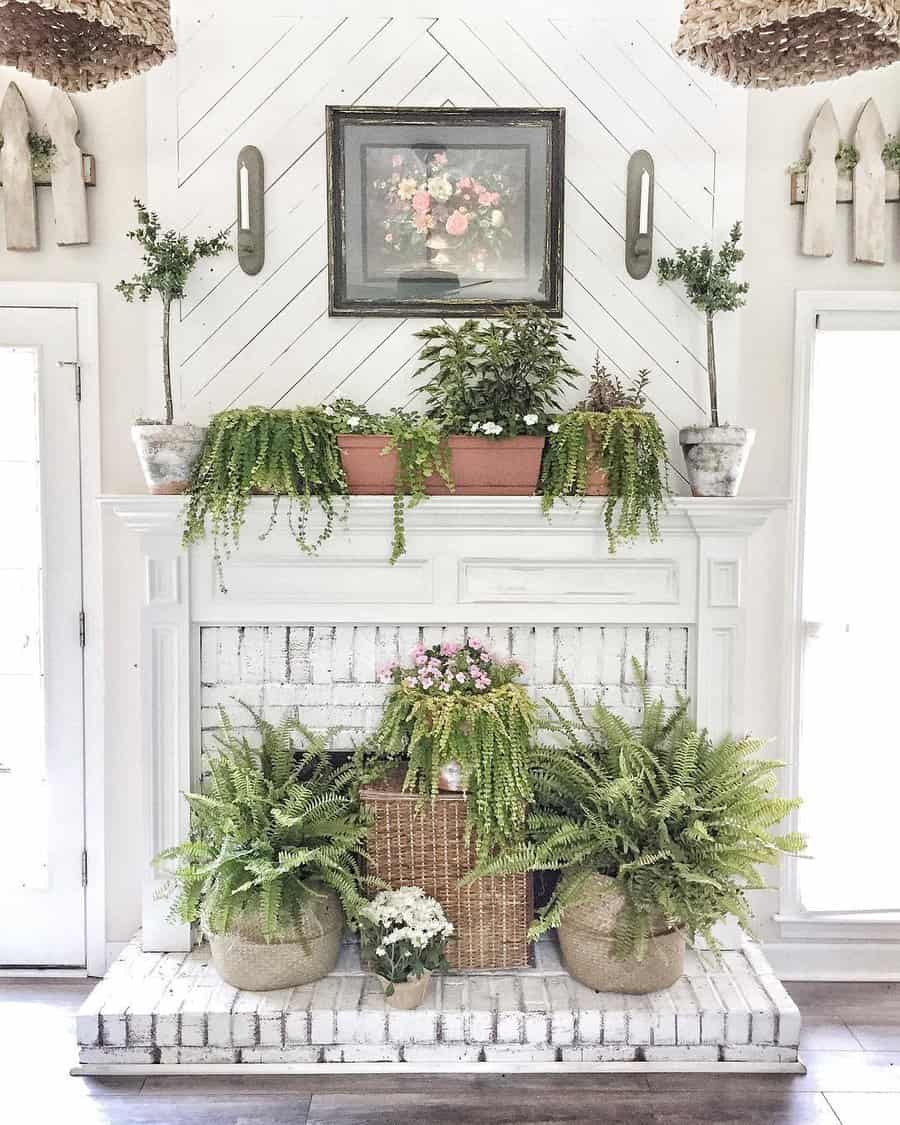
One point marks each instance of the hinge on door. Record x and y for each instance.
(81, 629)
(73, 363)
(84, 867)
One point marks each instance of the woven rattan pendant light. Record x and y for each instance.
(83, 44)
(772, 43)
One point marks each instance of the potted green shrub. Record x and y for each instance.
(272, 865)
(609, 446)
(658, 832)
(287, 454)
(456, 720)
(491, 387)
(403, 938)
(715, 455)
(399, 454)
(167, 452)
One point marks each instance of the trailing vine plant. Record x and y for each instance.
(274, 825)
(611, 431)
(421, 453)
(458, 703)
(287, 453)
(682, 823)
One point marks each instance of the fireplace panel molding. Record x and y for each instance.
(494, 559)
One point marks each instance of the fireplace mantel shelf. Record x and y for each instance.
(500, 514)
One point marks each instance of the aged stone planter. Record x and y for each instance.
(586, 941)
(310, 950)
(716, 457)
(479, 466)
(168, 455)
(408, 994)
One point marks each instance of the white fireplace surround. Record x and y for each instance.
(494, 560)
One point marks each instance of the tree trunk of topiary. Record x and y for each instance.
(711, 370)
(167, 368)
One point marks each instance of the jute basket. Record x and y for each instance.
(84, 44)
(308, 951)
(773, 43)
(425, 847)
(586, 941)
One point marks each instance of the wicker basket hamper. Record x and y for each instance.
(423, 845)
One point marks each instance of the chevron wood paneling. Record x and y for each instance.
(265, 81)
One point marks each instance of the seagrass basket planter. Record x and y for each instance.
(772, 43)
(415, 844)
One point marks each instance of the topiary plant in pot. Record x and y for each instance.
(715, 455)
(273, 862)
(168, 453)
(609, 446)
(400, 454)
(491, 387)
(288, 454)
(658, 832)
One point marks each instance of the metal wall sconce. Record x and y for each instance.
(639, 214)
(251, 214)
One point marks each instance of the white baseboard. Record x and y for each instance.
(834, 961)
(113, 949)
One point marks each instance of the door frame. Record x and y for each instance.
(82, 298)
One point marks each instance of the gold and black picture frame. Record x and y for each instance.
(444, 212)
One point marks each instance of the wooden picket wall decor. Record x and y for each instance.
(823, 184)
(70, 172)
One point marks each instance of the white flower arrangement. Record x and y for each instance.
(404, 934)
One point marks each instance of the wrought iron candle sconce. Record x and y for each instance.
(639, 214)
(251, 215)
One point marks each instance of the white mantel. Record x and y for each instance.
(494, 559)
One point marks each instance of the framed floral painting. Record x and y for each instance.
(444, 212)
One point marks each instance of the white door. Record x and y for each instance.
(41, 655)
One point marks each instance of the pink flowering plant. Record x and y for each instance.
(459, 703)
(456, 209)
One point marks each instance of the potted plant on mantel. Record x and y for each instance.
(715, 455)
(273, 862)
(610, 445)
(167, 452)
(658, 832)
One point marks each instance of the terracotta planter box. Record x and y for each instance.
(480, 466)
(597, 479)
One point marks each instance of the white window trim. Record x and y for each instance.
(82, 297)
(795, 923)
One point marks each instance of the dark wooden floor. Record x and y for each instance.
(851, 1045)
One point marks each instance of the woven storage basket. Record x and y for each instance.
(413, 845)
(772, 43)
(586, 942)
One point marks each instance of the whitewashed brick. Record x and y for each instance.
(454, 1019)
(687, 1015)
(442, 1052)
(218, 1019)
(737, 1011)
(322, 1021)
(519, 1052)
(350, 1029)
(599, 1052)
(482, 1010)
(362, 1053)
(662, 1019)
(638, 1019)
(244, 1019)
(562, 1012)
(536, 1005)
(509, 1009)
(197, 1055)
(420, 1025)
(757, 1053)
(294, 1054)
(272, 1016)
(686, 1053)
(89, 1056)
(712, 1014)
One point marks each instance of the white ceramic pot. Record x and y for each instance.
(168, 455)
(716, 457)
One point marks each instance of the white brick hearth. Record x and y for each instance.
(173, 1010)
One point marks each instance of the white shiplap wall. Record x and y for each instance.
(265, 79)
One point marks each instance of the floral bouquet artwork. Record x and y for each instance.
(457, 212)
(403, 936)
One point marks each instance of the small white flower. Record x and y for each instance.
(474, 428)
(553, 428)
(329, 410)
(491, 428)
(530, 419)
(353, 421)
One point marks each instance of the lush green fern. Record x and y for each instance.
(275, 824)
(682, 823)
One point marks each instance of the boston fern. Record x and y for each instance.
(679, 821)
(274, 826)
(495, 373)
(286, 453)
(421, 453)
(611, 431)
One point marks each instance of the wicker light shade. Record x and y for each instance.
(83, 44)
(772, 43)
